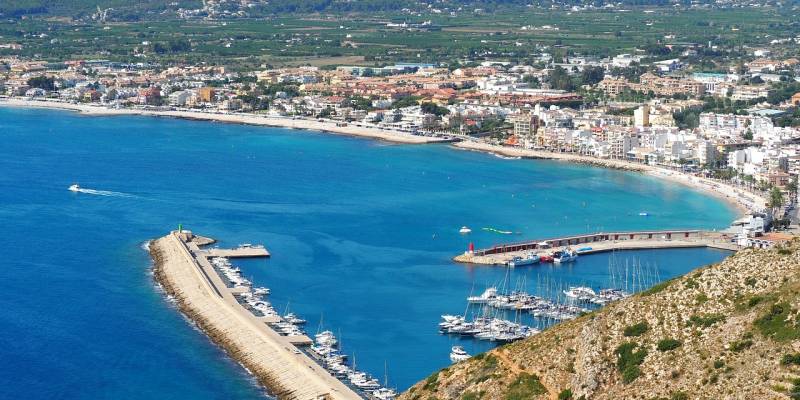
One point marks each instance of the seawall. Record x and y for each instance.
(200, 294)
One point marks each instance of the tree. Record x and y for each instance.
(432, 108)
(592, 75)
(42, 82)
(559, 79)
(791, 187)
(775, 198)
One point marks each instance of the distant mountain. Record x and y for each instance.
(727, 331)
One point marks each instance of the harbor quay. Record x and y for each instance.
(598, 243)
(185, 272)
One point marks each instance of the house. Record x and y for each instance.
(205, 94)
(179, 98)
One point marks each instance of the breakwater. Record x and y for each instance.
(600, 242)
(185, 273)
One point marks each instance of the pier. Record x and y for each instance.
(600, 242)
(239, 252)
(186, 273)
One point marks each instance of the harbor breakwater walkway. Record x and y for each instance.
(600, 242)
(186, 273)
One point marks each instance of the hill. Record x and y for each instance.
(725, 331)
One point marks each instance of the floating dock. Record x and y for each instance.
(600, 242)
(186, 273)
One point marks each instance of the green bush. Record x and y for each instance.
(777, 324)
(754, 301)
(526, 386)
(628, 361)
(657, 288)
(469, 396)
(739, 345)
(679, 396)
(668, 344)
(565, 394)
(795, 393)
(791, 359)
(705, 320)
(432, 382)
(636, 329)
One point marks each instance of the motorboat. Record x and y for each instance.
(457, 354)
(485, 297)
(464, 230)
(565, 256)
(75, 188)
(530, 259)
(293, 319)
(384, 394)
(582, 293)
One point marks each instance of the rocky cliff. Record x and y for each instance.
(725, 331)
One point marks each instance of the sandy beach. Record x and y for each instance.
(236, 118)
(742, 200)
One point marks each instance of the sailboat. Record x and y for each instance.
(385, 393)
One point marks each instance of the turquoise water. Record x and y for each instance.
(360, 231)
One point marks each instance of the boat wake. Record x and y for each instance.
(106, 193)
(497, 231)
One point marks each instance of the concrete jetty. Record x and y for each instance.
(239, 252)
(186, 273)
(600, 242)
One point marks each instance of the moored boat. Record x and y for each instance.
(530, 259)
(565, 256)
(457, 354)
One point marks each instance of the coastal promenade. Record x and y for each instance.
(598, 243)
(326, 126)
(186, 273)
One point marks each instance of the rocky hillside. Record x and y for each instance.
(726, 331)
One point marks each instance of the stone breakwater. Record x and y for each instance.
(200, 295)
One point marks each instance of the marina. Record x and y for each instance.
(283, 350)
(189, 276)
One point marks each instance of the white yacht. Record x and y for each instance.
(75, 188)
(485, 297)
(293, 319)
(565, 256)
(464, 230)
(457, 354)
(581, 293)
(384, 394)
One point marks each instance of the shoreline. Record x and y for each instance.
(286, 373)
(743, 202)
(235, 118)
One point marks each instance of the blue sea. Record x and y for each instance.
(361, 233)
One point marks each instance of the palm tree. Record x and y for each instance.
(791, 187)
(775, 199)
